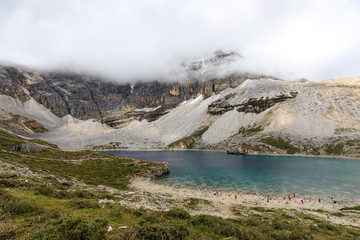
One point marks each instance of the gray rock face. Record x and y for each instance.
(21, 125)
(251, 105)
(86, 97)
(12, 82)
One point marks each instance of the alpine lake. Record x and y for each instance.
(275, 175)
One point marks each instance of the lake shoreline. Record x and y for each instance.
(222, 203)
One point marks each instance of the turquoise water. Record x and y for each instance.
(323, 177)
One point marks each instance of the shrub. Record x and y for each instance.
(295, 235)
(335, 150)
(46, 191)
(162, 231)
(7, 230)
(139, 212)
(117, 213)
(280, 225)
(84, 204)
(327, 226)
(84, 194)
(14, 205)
(179, 231)
(155, 232)
(73, 228)
(9, 181)
(178, 213)
(149, 218)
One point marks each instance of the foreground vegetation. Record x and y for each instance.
(59, 199)
(27, 212)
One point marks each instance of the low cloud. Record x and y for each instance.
(131, 40)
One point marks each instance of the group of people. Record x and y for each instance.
(294, 196)
(289, 197)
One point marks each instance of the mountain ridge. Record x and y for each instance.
(248, 113)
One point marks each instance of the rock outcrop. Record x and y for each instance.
(27, 148)
(250, 105)
(22, 125)
(159, 171)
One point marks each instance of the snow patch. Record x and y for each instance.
(196, 99)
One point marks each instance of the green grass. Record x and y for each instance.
(111, 170)
(8, 139)
(281, 144)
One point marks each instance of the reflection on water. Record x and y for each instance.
(261, 174)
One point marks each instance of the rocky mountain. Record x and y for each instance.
(88, 97)
(239, 112)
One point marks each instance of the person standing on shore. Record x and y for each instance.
(268, 198)
(235, 197)
(319, 200)
(289, 198)
(294, 195)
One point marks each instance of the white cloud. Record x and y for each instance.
(141, 39)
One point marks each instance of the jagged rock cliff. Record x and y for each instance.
(88, 97)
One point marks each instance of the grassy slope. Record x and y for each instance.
(46, 208)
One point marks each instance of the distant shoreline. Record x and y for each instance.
(222, 151)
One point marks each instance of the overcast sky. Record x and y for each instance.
(130, 39)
